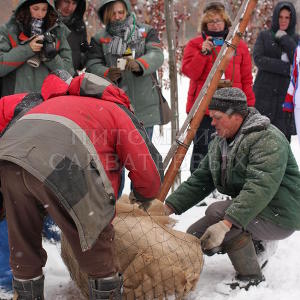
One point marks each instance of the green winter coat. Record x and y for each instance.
(262, 176)
(140, 89)
(17, 75)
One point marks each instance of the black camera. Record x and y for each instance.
(49, 49)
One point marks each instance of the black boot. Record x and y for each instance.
(243, 257)
(109, 288)
(29, 289)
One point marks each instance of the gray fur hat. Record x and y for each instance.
(229, 100)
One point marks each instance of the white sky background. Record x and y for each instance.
(282, 271)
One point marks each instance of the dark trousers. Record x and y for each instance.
(201, 141)
(260, 229)
(25, 199)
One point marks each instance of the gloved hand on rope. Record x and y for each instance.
(213, 237)
(142, 204)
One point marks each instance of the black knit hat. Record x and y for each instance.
(229, 100)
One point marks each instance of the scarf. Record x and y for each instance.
(36, 26)
(125, 34)
(222, 34)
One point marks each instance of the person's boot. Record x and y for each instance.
(109, 288)
(265, 250)
(28, 289)
(243, 257)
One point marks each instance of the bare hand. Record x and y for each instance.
(168, 210)
(36, 44)
(207, 45)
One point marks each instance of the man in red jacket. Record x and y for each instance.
(66, 154)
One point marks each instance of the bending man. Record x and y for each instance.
(65, 155)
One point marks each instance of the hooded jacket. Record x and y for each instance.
(17, 75)
(261, 176)
(77, 145)
(78, 37)
(140, 88)
(273, 75)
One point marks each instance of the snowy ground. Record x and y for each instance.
(282, 272)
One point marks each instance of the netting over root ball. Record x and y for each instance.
(156, 261)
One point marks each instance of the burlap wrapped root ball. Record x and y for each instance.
(156, 260)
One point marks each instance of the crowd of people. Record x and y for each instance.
(75, 113)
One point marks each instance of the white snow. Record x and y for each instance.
(282, 271)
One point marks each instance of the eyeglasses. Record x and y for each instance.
(215, 22)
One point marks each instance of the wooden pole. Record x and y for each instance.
(207, 92)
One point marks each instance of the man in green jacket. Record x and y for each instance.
(251, 161)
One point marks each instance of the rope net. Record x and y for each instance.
(156, 261)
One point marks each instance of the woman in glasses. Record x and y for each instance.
(199, 56)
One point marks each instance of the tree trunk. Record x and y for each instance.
(171, 37)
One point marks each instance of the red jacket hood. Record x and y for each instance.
(91, 85)
(56, 84)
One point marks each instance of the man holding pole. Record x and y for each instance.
(251, 161)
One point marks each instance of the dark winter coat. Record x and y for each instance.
(79, 156)
(140, 88)
(78, 37)
(17, 75)
(262, 176)
(273, 75)
(197, 66)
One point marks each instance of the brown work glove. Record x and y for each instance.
(133, 66)
(114, 73)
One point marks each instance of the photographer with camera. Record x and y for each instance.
(199, 56)
(32, 44)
